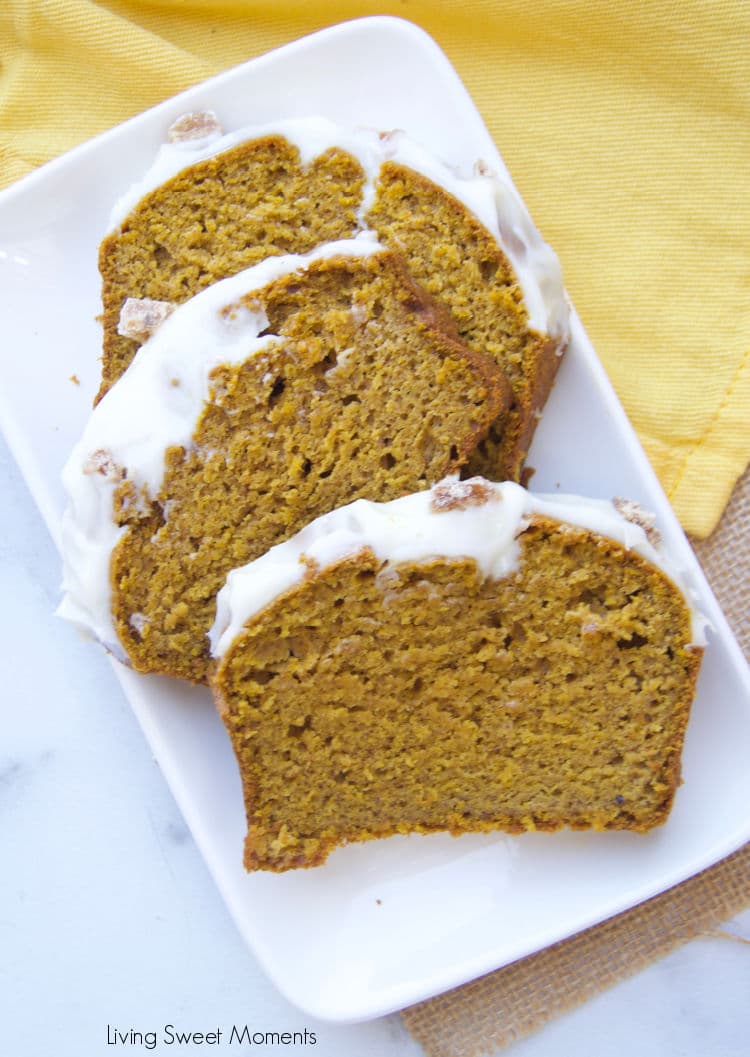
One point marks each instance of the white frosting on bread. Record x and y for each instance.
(154, 406)
(491, 197)
(421, 527)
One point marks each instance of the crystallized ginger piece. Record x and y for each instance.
(195, 125)
(141, 316)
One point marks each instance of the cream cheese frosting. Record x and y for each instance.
(490, 196)
(421, 527)
(154, 406)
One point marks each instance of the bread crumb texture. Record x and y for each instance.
(218, 217)
(361, 395)
(257, 200)
(460, 263)
(373, 700)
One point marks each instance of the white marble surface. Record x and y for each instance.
(108, 915)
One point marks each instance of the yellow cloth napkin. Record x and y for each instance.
(626, 127)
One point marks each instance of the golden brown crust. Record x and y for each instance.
(454, 257)
(372, 700)
(503, 456)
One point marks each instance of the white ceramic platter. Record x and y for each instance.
(384, 924)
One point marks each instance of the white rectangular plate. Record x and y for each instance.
(384, 924)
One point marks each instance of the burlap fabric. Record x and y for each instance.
(489, 1013)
